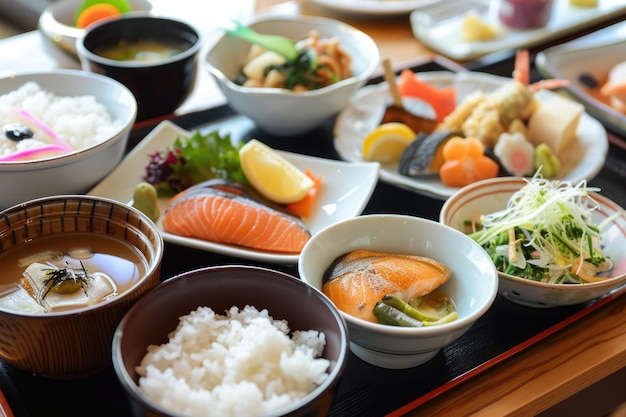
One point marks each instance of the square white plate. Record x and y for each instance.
(593, 55)
(346, 189)
(439, 25)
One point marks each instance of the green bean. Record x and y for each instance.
(445, 319)
(386, 314)
(408, 309)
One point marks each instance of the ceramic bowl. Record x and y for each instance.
(488, 196)
(473, 284)
(57, 22)
(160, 86)
(58, 175)
(157, 314)
(75, 342)
(284, 112)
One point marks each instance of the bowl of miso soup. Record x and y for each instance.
(155, 57)
(72, 267)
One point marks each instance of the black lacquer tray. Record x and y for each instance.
(364, 390)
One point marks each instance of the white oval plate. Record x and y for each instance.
(346, 189)
(366, 109)
(375, 7)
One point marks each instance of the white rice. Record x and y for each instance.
(80, 120)
(240, 364)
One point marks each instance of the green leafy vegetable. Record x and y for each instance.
(281, 45)
(192, 160)
(544, 232)
(122, 5)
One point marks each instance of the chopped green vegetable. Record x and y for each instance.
(546, 161)
(545, 229)
(394, 311)
(281, 45)
(192, 160)
(122, 5)
(412, 308)
(145, 200)
(386, 314)
(448, 318)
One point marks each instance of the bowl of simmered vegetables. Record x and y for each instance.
(554, 243)
(290, 74)
(405, 286)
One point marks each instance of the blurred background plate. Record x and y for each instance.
(374, 7)
(591, 56)
(439, 25)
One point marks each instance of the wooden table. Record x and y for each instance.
(527, 383)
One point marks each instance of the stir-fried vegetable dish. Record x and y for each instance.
(546, 234)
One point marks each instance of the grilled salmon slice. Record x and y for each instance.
(227, 213)
(356, 281)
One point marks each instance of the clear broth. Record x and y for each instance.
(123, 263)
(141, 51)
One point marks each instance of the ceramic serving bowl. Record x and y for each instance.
(73, 172)
(73, 342)
(283, 112)
(57, 22)
(157, 314)
(160, 85)
(491, 195)
(472, 286)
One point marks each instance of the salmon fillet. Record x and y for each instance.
(359, 279)
(220, 215)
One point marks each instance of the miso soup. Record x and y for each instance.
(62, 272)
(141, 50)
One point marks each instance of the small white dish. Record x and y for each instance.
(473, 285)
(374, 7)
(491, 195)
(594, 56)
(346, 190)
(57, 22)
(439, 25)
(366, 109)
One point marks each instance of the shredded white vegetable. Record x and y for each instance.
(555, 222)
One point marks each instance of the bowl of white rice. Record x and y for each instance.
(61, 132)
(231, 341)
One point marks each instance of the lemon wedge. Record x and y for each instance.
(387, 142)
(272, 175)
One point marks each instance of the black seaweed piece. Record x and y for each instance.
(418, 156)
(588, 80)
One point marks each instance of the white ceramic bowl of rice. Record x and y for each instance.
(90, 116)
(232, 341)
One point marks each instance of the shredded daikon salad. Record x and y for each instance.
(546, 234)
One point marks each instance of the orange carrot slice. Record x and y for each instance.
(442, 100)
(304, 207)
(95, 13)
